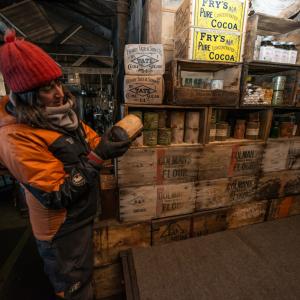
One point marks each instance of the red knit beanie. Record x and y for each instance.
(24, 65)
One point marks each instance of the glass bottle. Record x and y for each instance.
(274, 134)
(266, 49)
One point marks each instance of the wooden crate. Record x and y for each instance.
(159, 165)
(281, 154)
(159, 18)
(209, 222)
(209, 31)
(178, 94)
(264, 72)
(203, 111)
(148, 202)
(225, 192)
(144, 59)
(265, 118)
(227, 16)
(112, 237)
(278, 184)
(144, 89)
(108, 281)
(284, 207)
(171, 229)
(208, 45)
(247, 213)
(259, 24)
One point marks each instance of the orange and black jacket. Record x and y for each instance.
(61, 185)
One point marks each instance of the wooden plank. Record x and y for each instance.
(159, 165)
(137, 203)
(275, 156)
(209, 222)
(225, 192)
(175, 199)
(247, 213)
(171, 229)
(278, 184)
(282, 154)
(146, 202)
(112, 237)
(214, 162)
(284, 207)
(108, 281)
(246, 159)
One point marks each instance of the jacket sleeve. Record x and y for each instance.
(31, 162)
(92, 137)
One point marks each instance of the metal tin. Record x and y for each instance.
(150, 137)
(137, 113)
(191, 135)
(192, 119)
(277, 98)
(221, 131)
(150, 120)
(252, 131)
(162, 119)
(177, 119)
(127, 128)
(177, 135)
(279, 83)
(286, 129)
(164, 136)
(239, 129)
(212, 132)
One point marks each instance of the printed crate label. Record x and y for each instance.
(143, 89)
(144, 59)
(215, 46)
(221, 15)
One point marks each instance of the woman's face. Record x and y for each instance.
(51, 94)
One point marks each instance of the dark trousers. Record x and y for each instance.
(68, 262)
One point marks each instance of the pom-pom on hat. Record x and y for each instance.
(24, 65)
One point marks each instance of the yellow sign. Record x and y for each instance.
(219, 15)
(216, 46)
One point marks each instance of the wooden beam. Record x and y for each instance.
(3, 17)
(77, 17)
(87, 70)
(105, 60)
(64, 36)
(76, 50)
(80, 61)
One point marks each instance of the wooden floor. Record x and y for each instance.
(258, 262)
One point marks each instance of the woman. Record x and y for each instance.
(56, 157)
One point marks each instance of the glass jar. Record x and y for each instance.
(286, 129)
(266, 49)
(292, 53)
(239, 129)
(277, 52)
(284, 52)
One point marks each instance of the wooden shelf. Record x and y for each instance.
(236, 141)
(162, 106)
(176, 94)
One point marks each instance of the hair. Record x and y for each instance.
(30, 110)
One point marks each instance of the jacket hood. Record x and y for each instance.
(5, 117)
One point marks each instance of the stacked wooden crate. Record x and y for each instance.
(170, 193)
